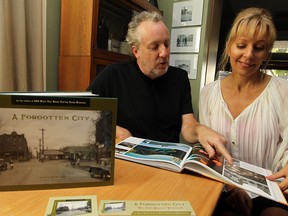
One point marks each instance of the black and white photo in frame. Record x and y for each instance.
(187, 13)
(187, 62)
(185, 39)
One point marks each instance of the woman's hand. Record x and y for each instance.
(239, 201)
(213, 142)
(283, 173)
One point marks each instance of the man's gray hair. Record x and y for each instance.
(132, 36)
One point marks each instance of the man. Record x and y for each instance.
(154, 99)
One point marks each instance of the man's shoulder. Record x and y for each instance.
(117, 69)
(177, 71)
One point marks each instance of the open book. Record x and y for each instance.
(177, 157)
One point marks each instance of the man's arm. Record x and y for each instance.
(213, 142)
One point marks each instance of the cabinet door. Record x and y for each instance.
(75, 45)
(116, 15)
(80, 59)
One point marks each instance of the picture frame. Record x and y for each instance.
(113, 206)
(50, 142)
(185, 39)
(187, 13)
(76, 205)
(188, 62)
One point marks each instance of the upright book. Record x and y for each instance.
(178, 157)
(56, 140)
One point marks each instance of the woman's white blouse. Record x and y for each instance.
(259, 135)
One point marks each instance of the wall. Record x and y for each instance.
(208, 45)
(52, 44)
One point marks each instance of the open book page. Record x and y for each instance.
(164, 155)
(241, 174)
(252, 178)
(199, 154)
(198, 161)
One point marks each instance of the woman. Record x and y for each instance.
(250, 108)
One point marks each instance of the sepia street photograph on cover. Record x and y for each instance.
(55, 147)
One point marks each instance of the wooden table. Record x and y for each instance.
(132, 182)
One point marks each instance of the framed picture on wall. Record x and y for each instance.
(185, 39)
(187, 13)
(186, 62)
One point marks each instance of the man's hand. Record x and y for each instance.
(122, 133)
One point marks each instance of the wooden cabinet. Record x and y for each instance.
(80, 58)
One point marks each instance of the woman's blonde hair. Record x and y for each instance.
(247, 22)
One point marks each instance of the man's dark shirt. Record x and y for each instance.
(150, 109)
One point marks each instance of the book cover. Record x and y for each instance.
(56, 141)
(144, 208)
(72, 205)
